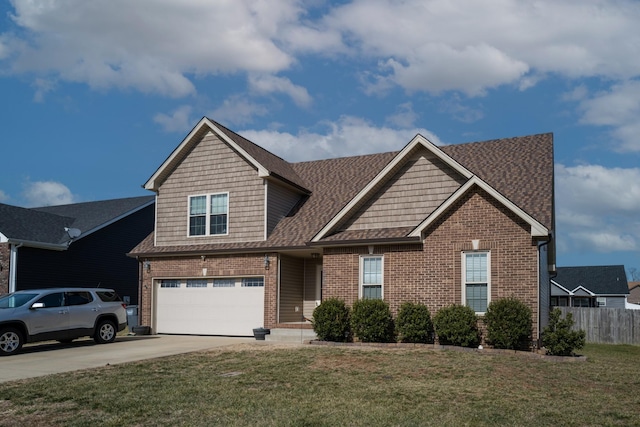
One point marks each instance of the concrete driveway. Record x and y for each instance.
(36, 360)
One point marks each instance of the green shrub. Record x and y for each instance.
(371, 321)
(557, 336)
(331, 321)
(508, 322)
(414, 323)
(457, 325)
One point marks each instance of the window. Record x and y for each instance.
(224, 283)
(209, 212)
(371, 277)
(78, 298)
(169, 284)
(219, 210)
(476, 280)
(581, 302)
(601, 301)
(252, 282)
(196, 283)
(52, 300)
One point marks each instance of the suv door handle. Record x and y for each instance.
(63, 312)
(95, 309)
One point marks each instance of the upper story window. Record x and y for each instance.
(371, 277)
(476, 287)
(209, 215)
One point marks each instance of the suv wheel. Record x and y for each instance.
(105, 332)
(10, 341)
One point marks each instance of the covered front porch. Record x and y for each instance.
(299, 293)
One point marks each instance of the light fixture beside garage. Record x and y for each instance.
(267, 261)
(147, 265)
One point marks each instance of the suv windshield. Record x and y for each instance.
(15, 300)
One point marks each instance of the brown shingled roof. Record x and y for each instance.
(274, 164)
(520, 168)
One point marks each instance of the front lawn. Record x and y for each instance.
(264, 385)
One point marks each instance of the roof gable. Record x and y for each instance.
(267, 164)
(419, 142)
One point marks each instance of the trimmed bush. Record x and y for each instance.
(414, 323)
(557, 336)
(331, 321)
(371, 321)
(457, 325)
(509, 324)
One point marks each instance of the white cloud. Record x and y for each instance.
(471, 46)
(349, 136)
(433, 46)
(238, 109)
(178, 121)
(597, 207)
(266, 84)
(118, 43)
(42, 86)
(3, 196)
(460, 111)
(619, 109)
(404, 117)
(47, 193)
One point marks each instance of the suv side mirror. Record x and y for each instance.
(37, 305)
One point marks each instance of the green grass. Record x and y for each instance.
(258, 385)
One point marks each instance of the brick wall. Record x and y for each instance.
(216, 266)
(431, 273)
(4, 267)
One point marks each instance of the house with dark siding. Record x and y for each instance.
(246, 239)
(80, 244)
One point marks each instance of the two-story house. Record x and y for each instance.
(245, 239)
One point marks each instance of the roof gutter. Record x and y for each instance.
(366, 242)
(40, 245)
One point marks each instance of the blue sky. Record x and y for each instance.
(95, 95)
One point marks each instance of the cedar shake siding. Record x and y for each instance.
(419, 187)
(280, 202)
(211, 167)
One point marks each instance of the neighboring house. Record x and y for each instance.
(245, 239)
(634, 293)
(82, 244)
(592, 286)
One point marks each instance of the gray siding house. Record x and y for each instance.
(592, 286)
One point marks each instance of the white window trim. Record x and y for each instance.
(464, 274)
(207, 225)
(361, 271)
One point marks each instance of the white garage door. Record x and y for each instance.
(210, 307)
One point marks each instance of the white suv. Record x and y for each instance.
(61, 314)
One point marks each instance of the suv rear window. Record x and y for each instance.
(108, 296)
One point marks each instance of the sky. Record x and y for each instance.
(95, 95)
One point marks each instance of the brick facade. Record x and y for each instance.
(5, 260)
(216, 266)
(432, 273)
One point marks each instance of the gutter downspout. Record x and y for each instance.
(13, 266)
(550, 274)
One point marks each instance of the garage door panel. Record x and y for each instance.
(209, 311)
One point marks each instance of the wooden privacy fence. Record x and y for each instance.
(606, 325)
